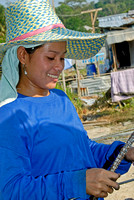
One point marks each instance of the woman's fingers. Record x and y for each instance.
(111, 180)
(100, 182)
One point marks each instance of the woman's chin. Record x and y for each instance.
(52, 86)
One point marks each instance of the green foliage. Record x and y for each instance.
(73, 97)
(75, 21)
(111, 7)
(2, 15)
(64, 9)
(2, 24)
(129, 103)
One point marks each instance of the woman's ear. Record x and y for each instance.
(21, 54)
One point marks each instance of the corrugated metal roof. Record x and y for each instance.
(95, 86)
(120, 36)
(116, 20)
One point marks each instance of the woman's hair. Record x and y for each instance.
(32, 49)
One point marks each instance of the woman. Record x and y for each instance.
(45, 151)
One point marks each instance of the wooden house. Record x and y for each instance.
(119, 29)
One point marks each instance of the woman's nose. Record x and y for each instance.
(59, 65)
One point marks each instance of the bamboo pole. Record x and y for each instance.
(93, 16)
(78, 80)
(53, 5)
(63, 79)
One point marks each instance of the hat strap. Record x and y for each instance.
(43, 29)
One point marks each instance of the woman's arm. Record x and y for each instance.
(17, 182)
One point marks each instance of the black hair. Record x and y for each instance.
(19, 65)
(32, 49)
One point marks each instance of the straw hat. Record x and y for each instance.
(34, 21)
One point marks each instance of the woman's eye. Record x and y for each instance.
(62, 58)
(50, 58)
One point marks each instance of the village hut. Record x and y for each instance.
(119, 29)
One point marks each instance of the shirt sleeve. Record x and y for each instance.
(16, 180)
(105, 155)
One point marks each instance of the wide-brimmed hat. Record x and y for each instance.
(34, 21)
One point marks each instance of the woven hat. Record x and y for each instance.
(34, 21)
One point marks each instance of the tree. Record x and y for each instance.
(2, 24)
(72, 18)
(75, 3)
(111, 9)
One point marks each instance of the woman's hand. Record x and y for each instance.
(130, 155)
(100, 182)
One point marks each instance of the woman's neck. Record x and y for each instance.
(30, 90)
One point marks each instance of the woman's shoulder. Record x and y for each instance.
(8, 108)
(58, 91)
(6, 105)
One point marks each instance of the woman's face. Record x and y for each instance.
(45, 65)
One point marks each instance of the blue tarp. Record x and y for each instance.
(67, 64)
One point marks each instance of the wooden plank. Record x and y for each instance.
(93, 10)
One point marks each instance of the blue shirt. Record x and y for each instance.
(45, 151)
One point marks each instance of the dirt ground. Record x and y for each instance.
(126, 191)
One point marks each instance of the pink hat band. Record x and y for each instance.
(38, 31)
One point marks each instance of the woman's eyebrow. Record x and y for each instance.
(57, 51)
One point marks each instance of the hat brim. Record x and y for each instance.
(80, 45)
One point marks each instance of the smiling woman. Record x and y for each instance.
(45, 152)
(40, 69)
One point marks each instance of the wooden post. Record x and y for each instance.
(114, 56)
(93, 17)
(78, 80)
(97, 66)
(92, 20)
(53, 5)
(63, 79)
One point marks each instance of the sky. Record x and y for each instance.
(3, 2)
(56, 1)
